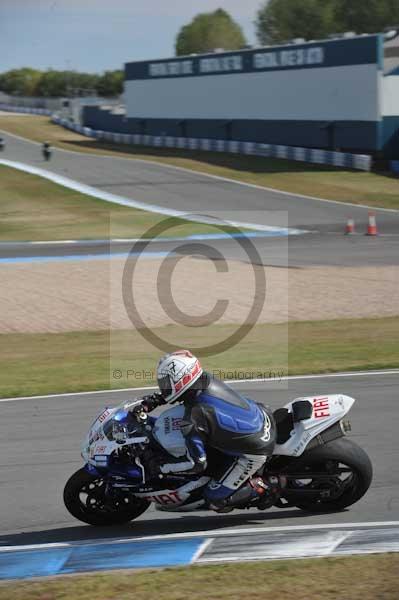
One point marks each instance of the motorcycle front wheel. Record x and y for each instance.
(86, 500)
(342, 471)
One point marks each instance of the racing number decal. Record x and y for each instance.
(321, 408)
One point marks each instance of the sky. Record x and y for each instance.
(95, 35)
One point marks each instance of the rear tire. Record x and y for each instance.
(85, 499)
(341, 451)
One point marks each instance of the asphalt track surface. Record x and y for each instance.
(40, 448)
(196, 193)
(40, 437)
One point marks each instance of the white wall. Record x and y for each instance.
(390, 96)
(334, 93)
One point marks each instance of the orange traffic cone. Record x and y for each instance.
(372, 225)
(350, 227)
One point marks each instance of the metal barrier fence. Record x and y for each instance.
(25, 109)
(361, 162)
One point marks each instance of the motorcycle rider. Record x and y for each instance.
(215, 417)
(46, 150)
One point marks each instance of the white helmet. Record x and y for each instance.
(176, 373)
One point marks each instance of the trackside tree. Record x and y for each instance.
(208, 31)
(53, 83)
(281, 20)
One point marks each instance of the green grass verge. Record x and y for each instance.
(349, 578)
(33, 208)
(380, 190)
(65, 362)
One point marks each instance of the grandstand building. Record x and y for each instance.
(332, 94)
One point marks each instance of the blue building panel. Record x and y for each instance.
(330, 53)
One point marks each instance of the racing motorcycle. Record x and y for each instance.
(46, 151)
(313, 467)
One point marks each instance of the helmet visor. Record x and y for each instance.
(165, 386)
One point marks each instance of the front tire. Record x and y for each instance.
(345, 492)
(85, 499)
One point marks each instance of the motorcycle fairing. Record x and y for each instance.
(97, 446)
(167, 431)
(327, 410)
(176, 499)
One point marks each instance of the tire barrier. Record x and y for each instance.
(345, 160)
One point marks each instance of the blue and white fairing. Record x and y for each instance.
(101, 440)
(100, 444)
(168, 433)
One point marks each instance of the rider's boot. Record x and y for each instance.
(256, 488)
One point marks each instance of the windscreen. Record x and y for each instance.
(122, 417)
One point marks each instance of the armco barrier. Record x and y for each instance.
(25, 109)
(361, 162)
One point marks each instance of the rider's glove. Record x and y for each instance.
(152, 401)
(139, 412)
(147, 404)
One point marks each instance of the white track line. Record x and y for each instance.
(194, 237)
(210, 175)
(152, 208)
(204, 546)
(255, 380)
(321, 544)
(206, 534)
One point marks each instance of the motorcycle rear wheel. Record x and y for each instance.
(341, 453)
(85, 499)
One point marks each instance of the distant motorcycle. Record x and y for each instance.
(313, 466)
(46, 151)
